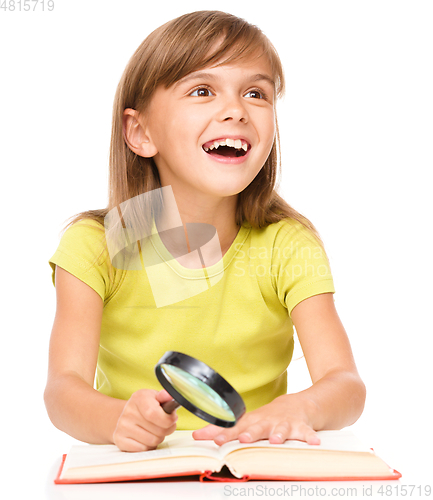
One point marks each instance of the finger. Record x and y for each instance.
(135, 438)
(207, 432)
(280, 433)
(132, 420)
(256, 431)
(312, 437)
(130, 445)
(305, 433)
(154, 428)
(163, 396)
(301, 432)
(151, 412)
(225, 436)
(232, 433)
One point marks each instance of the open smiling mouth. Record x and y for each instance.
(231, 148)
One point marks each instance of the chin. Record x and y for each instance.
(225, 192)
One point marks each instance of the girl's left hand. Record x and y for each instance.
(284, 418)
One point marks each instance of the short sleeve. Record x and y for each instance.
(82, 252)
(302, 266)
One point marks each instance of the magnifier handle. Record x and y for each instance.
(170, 406)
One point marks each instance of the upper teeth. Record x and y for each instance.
(237, 144)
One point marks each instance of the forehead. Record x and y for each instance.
(252, 68)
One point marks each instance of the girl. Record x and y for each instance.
(194, 118)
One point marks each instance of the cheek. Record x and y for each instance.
(182, 127)
(265, 121)
(268, 131)
(272, 124)
(166, 125)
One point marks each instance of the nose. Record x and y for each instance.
(234, 109)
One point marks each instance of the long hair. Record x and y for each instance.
(179, 47)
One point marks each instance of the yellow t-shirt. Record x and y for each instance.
(239, 324)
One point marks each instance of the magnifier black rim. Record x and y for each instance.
(207, 375)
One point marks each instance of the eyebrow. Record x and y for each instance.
(210, 76)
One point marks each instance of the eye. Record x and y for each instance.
(201, 92)
(256, 94)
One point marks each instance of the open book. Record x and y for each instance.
(340, 456)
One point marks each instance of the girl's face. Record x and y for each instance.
(231, 105)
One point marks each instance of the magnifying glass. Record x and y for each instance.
(198, 388)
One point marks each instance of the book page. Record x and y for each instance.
(342, 440)
(180, 443)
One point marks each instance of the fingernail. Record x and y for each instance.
(278, 436)
(221, 438)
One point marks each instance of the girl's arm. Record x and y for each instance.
(336, 398)
(72, 404)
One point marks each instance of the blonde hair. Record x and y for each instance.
(181, 46)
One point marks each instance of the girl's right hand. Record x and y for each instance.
(143, 424)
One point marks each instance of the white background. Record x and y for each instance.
(356, 127)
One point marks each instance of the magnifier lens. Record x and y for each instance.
(198, 393)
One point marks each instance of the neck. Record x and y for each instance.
(218, 213)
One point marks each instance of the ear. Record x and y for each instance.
(136, 135)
